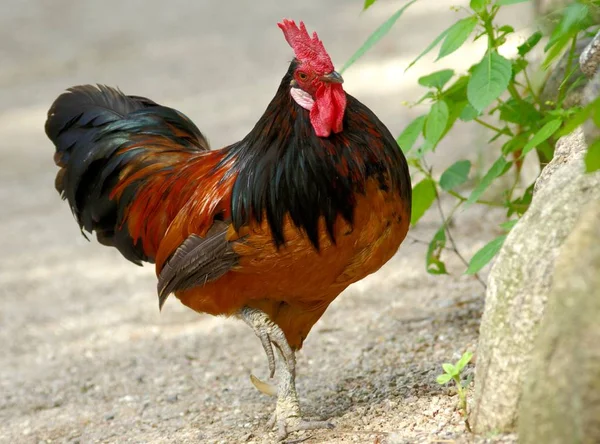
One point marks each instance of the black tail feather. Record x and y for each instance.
(103, 136)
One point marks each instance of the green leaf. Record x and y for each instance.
(436, 79)
(377, 35)
(469, 113)
(423, 149)
(368, 4)
(409, 136)
(428, 95)
(596, 113)
(455, 112)
(518, 66)
(496, 170)
(520, 205)
(424, 195)
(509, 2)
(434, 264)
(457, 35)
(573, 81)
(579, 117)
(449, 369)
(515, 144)
(506, 29)
(570, 23)
(555, 51)
(455, 175)
(530, 43)
(592, 157)
(485, 255)
(575, 18)
(543, 134)
(519, 111)
(457, 92)
(478, 5)
(508, 225)
(490, 78)
(437, 119)
(432, 45)
(545, 151)
(463, 361)
(443, 379)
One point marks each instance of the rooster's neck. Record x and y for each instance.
(283, 168)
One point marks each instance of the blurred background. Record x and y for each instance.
(85, 353)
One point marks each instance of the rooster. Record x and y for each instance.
(270, 229)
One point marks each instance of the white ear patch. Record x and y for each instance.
(302, 98)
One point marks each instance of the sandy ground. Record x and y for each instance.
(87, 357)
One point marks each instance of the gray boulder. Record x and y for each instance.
(522, 279)
(561, 395)
(590, 93)
(550, 91)
(520, 282)
(589, 60)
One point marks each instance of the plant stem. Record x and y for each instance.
(446, 221)
(489, 30)
(479, 201)
(492, 127)
(536, 98)
(414, 240)
(514, 93)
(462, 396)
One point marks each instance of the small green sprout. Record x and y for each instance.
(453, 372)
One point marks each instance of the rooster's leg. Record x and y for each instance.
(287, 416)
(269, 334)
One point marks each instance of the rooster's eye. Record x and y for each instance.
(302, 75)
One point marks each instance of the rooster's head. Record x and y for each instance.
(315, 85)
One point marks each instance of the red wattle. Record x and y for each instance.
(327, 114)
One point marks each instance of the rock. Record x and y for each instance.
(589, 60)
(567, 150)
(519, 284)
(561, 396)
(590, 93)
(555, 80)
(590, 66)
(587, 52)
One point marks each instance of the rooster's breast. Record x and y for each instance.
(295, 283)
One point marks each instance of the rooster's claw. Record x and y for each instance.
(288, 424)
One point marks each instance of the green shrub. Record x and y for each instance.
(496, 93)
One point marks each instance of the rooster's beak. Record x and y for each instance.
(332, 77)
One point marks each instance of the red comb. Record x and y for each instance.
(309, 50)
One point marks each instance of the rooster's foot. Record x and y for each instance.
(287, 417)
(288, 421)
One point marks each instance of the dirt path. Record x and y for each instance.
(86, 356)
